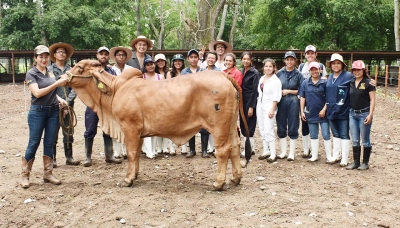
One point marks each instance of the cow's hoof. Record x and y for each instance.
(235, 181)
(219, 187)
(127, 183)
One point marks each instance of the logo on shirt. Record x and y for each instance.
(362, 85)
(51, 75)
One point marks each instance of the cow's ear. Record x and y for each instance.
(104, 88)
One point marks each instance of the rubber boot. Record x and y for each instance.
(337, 146)
(172, 149)
(366, 156)
(292, 149)
(204, 144)
(26, 171)
(158, 144)
(108, 150)
(192, 146)
(356, 158)
(345, 152)
(328, 150)
(252, 144)
(184, 149)
(272, 149)
(54, 156)
(117, 148)
(283, 148)
(88, 151)
(314, 150)
(211, 148)
(306, 147)
(165, 143)
(48, 171)
(266, 153)
(68, 155)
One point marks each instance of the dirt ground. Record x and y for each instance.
(177, 192)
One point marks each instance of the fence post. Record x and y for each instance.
(376, 75)
(398, 84)
(386, 79)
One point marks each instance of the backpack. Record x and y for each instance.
(320, 66)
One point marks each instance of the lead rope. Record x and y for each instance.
(67, 130)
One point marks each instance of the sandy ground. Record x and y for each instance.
(177, 192)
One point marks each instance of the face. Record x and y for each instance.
(358, 73)
(120, 57)
(246, 61)
(42, 60)
(314, 72)
(311, 56)
(336, 66)
(178, 64)
(229, 62)
(290, 62)
(268, 68)
(103, 57)
(193, 59)
(141, 47)
(211, 59)
(220, 49)
(150, 67)
(160, 63)
(60, 54)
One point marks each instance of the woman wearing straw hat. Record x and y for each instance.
(140, 45)
(59, 54)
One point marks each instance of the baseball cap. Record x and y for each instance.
(148, 60)
(160, 56)
(310, 48)
(40, 49)
(314, 65)
(178, 57)
(358, 65)
(290, 54)
(103, 48)
(192, 51)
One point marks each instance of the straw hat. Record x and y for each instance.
(141, 38)
(228, 46)
(120, 48)
(68, 48)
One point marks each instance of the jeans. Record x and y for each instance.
(340, 128)
(357, 128)
(42, 118)
(287, 118)
(314, 129)
(66, 137)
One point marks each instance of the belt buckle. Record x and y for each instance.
(357, 111)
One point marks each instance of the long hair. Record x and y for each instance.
(270, 61)
(165, 68)
(174, 71)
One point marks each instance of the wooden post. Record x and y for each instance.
(12, 67)
(386, 79)
(376, 74)
(398, 84)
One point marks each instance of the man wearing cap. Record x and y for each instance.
(221, 48)
(287, 117)
(310, 54)
(59, 54)
(91, 119)
(140, 45)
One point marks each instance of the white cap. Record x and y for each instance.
(310, 48)
(160, 56)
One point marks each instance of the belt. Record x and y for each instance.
(361, 110)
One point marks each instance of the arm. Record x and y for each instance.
(322, 113)
(368, 119)
(272, 111)
(302, 105)
(38, 93)
(289, 91)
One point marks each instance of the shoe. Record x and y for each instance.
(48, 171)
(26, 171)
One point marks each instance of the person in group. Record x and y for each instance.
(59, 54)
(162, 69)
(251, 77)
(193, 59)
(269, 94)
(140, 46)
(313, 110)
(120, 56)
(91, 119)
(287, 118)
(221, 48)
(362, 106)
(42, 116)
(310, 55)
(231, 70)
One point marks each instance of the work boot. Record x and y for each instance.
(54, 155)
(266, 152)
(283, 148)
(345, 152)
(88, 150)
(306, 146)
(314, 150)
(48, 171)
(356, 158)
(68, 155)
(366, 156)
(26, 171)
(292, 149)
(108, 150)
(192, 146)
(204, 144)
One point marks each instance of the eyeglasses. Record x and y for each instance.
(220, 46)
(121, 55)
(61, 52)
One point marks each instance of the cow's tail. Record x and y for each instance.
(247, 145)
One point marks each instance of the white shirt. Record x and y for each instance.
(117, 70)
(306, 74)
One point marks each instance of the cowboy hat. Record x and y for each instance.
(120, 48)
(141, 38)
(228, 46)
(68, 48)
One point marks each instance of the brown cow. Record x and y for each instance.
(130, 108)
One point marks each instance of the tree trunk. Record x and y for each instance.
(222, 25)
(39, 13)
(396, 27)
(214, 18)
(232, 35)
(137, 11)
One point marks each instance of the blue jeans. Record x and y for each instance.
(357, 128)
(340, 128)
(42, 118)
(314, 130)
